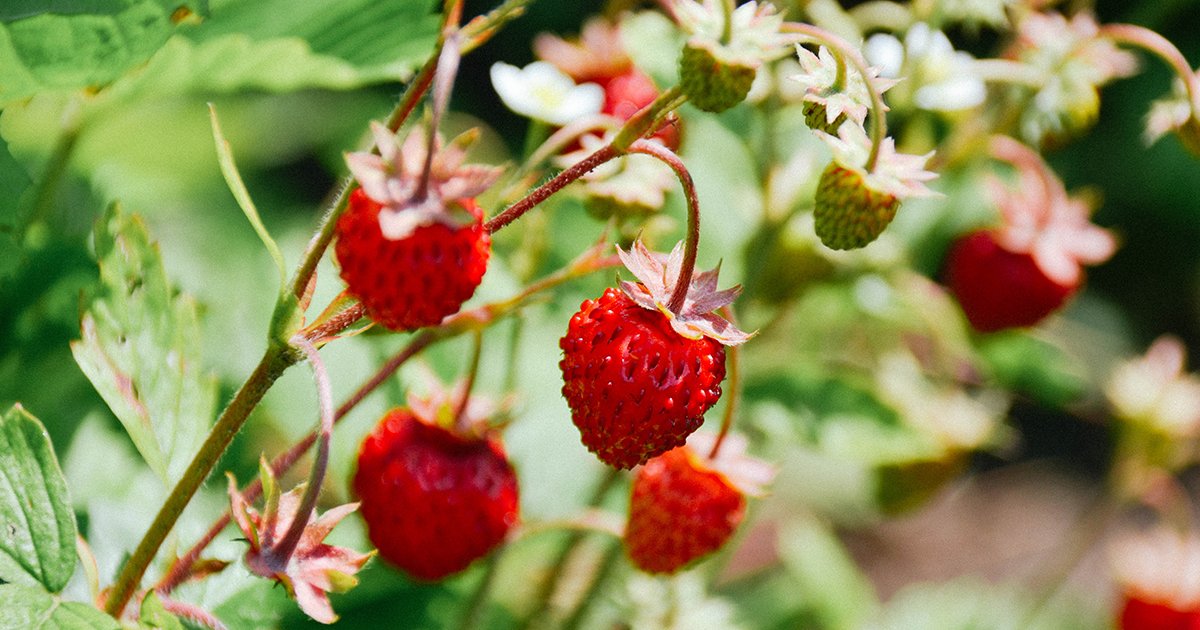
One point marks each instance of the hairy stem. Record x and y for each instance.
(691, 244)
(274, 362)
(543, 192)
(283, 551)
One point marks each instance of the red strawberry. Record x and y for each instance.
(637, 381)
(1022, 271)
(626, 94)
(412, 261)
(1138, 614)
(434, 499)
(999, 289)
(685, 506)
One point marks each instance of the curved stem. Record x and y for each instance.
(844, 50)
(443, 85)
(1152, 42)
(608, 562)
(735, 379)
(274, 362)
(472, 374)
(691, 244)
(727, 7)
(543, 192)
(563, 137)
(283, 551)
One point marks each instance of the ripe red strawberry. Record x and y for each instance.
(412, 261)
(1138, 614)
(999, 289)
(1017, 274)
(637, 381)
(627, 93)
(434, 499)
(685, 505)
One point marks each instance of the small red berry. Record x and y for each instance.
(1138, 614)
(417, 280)
(999, 289)
(680, 511)
(434, 500)
(637, 381)
(411, 242)
(635, 387)
(628, 93)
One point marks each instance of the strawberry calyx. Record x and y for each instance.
(749, 475)
(659, 275)
(460, 414)
(415, 189)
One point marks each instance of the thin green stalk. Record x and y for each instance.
(476, 607)
(546, 589)
(274, 362)
(608, 562)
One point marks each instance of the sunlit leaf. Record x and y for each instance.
(31, 608)
(37, 526)
(141, 349)
(77, 43)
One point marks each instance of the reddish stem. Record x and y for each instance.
(472, 373)
(679, 295)
(543, 192)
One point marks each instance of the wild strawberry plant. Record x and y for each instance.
(628, 441)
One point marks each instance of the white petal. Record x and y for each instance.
(886, 53)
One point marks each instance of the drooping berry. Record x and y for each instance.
(637, 379)
(411, 245)
(999, 289)
(686, 505)
(848, 214)
(434, 499)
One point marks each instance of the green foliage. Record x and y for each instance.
(141, 349)
(31, 608)
(13, 183)
(837, 594)
(155, 616)
(37, 542)
(77, 43)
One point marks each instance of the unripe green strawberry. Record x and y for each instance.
(848, 213)
(712, 84)
(816, 116)
(724, 52)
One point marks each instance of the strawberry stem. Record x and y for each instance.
(734, 374)
(472, 374)
(1152, 42)
(691, 244)
(282, 552)
(543, 192)
(443, 85)
(843, 50)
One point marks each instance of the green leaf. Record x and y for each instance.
(1033, 366)
(839, 594)
(141, 349)
(13, 183)
(79, 43)
(238, 188)
(31, 608)
(235, 63)
(392, 37)
(37, 542)
(154, 615)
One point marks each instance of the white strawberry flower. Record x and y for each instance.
(543, 92)
(754, 33)
(945, 79)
